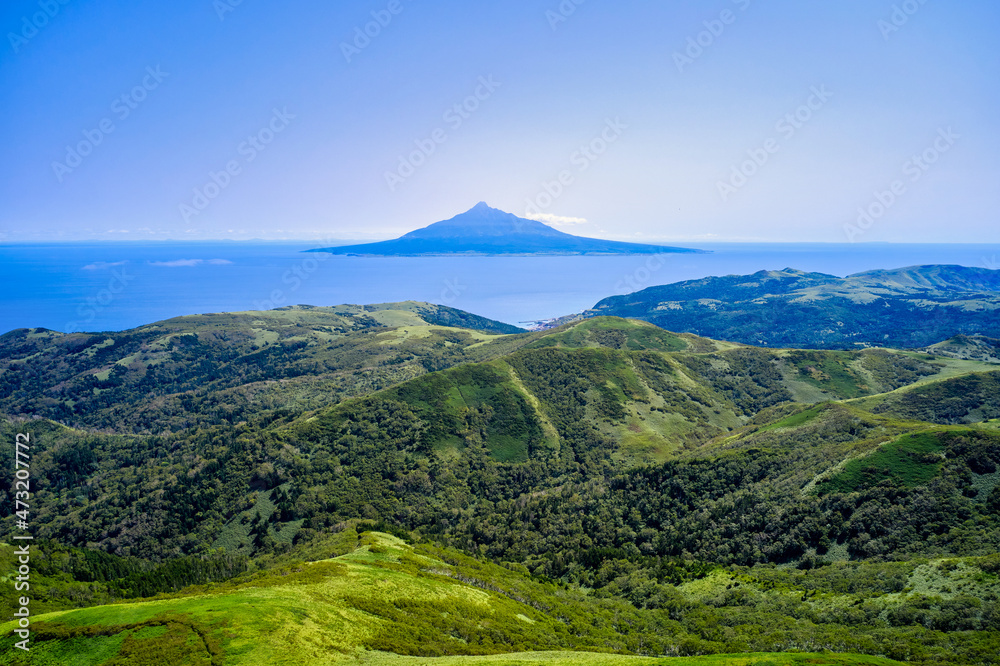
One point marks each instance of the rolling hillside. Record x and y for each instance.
(907, 307)
(226, 368)
(382, 599)
(702, 497)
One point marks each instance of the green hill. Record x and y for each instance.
(907, 307)
(975, 347)
(381, 594)
(535, 422)
(386, 602)
(621, 487)
(226, 368)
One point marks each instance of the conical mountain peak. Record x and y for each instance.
(483, 221)
(483, 230)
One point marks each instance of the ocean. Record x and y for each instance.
(118, 285)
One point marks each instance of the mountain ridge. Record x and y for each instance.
(914, 307)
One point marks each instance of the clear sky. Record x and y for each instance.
(860, 120)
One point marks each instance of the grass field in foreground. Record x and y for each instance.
(588, 659)
(352, 609)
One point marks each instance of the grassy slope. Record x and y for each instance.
(584, 659)
(977, 347)
(655, 393)
(883, 445)
(384, 594)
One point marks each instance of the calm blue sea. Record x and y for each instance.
(113, 286)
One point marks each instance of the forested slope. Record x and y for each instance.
(669, 471)
(906, 307)
(224, 368)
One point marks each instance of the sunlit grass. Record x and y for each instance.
(316, 614)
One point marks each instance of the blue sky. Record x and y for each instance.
(674, 121)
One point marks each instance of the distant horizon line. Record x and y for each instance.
(350, 241)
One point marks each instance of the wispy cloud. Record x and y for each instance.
(101, 265)
(556, 220)
(189, 263)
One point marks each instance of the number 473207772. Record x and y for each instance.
(22, 484)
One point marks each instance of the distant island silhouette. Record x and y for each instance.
(483, 230)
